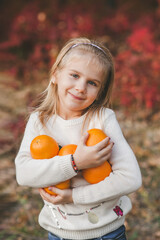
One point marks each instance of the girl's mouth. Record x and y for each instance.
(76, 97)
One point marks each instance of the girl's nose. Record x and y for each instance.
(80, 86)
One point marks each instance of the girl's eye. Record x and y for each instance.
(92, 83)
(75, 76)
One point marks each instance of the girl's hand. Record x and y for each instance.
(63, 196)
(87, 157)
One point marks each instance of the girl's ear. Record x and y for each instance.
(53, 79)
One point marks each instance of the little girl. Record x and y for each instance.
(77, 99)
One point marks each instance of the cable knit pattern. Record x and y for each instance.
(98, 208)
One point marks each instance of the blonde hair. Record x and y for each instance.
(49, 98)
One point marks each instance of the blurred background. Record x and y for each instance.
(31, 35)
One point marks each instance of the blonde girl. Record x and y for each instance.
(78, 98)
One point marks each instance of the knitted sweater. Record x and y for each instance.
(97, 209)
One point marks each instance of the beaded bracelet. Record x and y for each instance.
(74, 164)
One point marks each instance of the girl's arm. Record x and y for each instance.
(40, 173)
(124, 179)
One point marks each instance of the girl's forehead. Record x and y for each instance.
(79, 59)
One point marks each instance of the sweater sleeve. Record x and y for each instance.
(43, 172)
(125, 177)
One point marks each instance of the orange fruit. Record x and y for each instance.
(65, 150)
(43, 147)
(95, 136)
(62, 185)
(96, 174)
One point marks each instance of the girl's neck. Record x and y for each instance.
(69, 115)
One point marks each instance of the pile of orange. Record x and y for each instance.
(96, 174)
(67, 149)
(45, 147)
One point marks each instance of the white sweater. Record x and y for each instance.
(98, 208)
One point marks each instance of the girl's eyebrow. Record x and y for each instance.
(73, 70)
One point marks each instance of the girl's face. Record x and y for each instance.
(78, 85)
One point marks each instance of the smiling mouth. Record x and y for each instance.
(76, 97)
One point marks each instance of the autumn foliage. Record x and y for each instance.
(36, 33)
